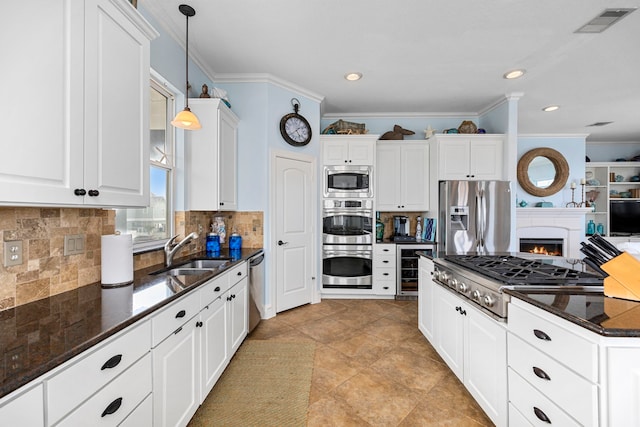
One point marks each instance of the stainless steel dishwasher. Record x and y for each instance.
(256, 288)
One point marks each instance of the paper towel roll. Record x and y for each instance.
(117, 259)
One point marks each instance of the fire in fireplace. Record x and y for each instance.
(542, 246)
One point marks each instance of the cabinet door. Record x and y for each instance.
(485, 161)
(228, 162)
(414, 182)
(335, 152)
(426, 315)
(215, 354)
(176, 377)
(116, 100)
(239, 314)
(387, 173)
(453, 162)
(485, 363)
(622, 392)
(361, 153)
(449, 329)
(42, 163)
(25, 410)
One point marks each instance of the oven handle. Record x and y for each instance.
(339, 212)
(355, 254)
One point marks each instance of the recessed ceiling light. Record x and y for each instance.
(352, 77)
(550, 108)
(514, 74)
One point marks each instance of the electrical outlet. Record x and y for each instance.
(73, 244)
(12, 253)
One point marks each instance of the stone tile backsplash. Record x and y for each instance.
(46, 271)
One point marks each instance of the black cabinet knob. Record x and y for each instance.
(94, 193)
(113, 407)
(180, 314)
(541, 415)
(217, 289)
(79, 191)
(541, 374)
(112, 362)
(541, 335)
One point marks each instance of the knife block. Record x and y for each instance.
(624, 277)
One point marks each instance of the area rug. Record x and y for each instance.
(266, 384)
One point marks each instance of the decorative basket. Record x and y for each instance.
(342, 127)
(467, 126)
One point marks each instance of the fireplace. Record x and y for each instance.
(542, 246)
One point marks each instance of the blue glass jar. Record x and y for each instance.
(591, 228)
(235, 242)
(600, 228)
(213, 244)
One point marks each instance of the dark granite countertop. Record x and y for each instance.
(39, 336)
(410, 242)
(591, 309)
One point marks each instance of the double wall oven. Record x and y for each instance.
(347, 236)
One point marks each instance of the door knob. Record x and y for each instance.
(281, 243)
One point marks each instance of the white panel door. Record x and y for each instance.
(387, 173)
(414, 188)
(486, 159)
(453, 160)
(294, 232)
(215, 350)
(449, 330)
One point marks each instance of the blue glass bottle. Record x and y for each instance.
(591, 228)
(600, 228)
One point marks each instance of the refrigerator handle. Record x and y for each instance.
(479, 230)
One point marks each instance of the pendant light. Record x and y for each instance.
(185, 119)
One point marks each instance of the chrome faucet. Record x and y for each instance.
(170, 249)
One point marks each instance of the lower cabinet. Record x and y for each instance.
(384, 269)
(426, 315)
(26, 409)
(188, 363)
(473, 345)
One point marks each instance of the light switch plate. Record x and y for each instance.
(73, 244)
(12, 253)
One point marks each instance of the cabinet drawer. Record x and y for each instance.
(556, 341)
(384, 274)
(384, 287)
(379, 249)
(534, 406)
(69, 388)
(213, 289)
(577, 396)
(141, 416)
(118, 399)
(171, 318)
(384, 261)
(237, 273)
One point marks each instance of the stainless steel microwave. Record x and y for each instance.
(348, 181)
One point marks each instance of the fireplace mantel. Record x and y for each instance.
(565, 223)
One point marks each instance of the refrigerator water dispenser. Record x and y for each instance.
(459, 218)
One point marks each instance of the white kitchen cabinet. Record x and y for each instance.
(214, 343)
(402, 176)
(212, 157)
(348, 149)
(25, 409)
(384, 269)
(176, 376)
(426, 305)
(97, 367)
(544, 372)
(112, 404)
(238, 314)
(90, 145)
(470, 157)
(473, 345)
(141, 416)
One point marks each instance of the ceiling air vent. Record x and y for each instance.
(604, 20)
(599, 124)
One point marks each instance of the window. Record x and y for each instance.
(152, 226)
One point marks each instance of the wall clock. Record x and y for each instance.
(295, 129)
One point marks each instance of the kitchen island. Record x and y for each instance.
(36, 338)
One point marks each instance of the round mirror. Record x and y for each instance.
(542, 172)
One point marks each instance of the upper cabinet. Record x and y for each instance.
(402, 176)
(211, 157)
(470, 157)
(348, 149)
(76, 128)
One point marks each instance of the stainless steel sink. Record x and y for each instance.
(182, 271)
(206, 264)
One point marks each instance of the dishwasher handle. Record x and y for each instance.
(256, 260)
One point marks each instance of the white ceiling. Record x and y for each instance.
(430, 57)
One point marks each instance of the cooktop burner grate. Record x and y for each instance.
(514, 270)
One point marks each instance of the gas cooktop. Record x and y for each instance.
(517, 271)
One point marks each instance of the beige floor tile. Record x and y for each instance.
(329, 412)
(331, 368)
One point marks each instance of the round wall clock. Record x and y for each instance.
(295, 129)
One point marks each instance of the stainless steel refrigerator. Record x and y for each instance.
(474, 217)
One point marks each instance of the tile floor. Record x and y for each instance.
(373, 367)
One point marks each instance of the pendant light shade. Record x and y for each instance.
(185, 119)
